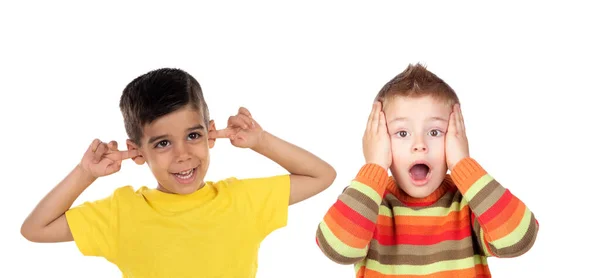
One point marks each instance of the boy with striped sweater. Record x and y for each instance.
(421, 221)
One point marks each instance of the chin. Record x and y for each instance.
(420, 190)
(186, 182)
(190, 188)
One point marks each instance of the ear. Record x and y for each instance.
(139, 160)
(211, 130)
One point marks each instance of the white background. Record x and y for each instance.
(308, 71)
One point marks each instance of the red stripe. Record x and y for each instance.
(421, 204)
(354, 216)
(496, 208)
(423, 239)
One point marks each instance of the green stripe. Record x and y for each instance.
(385, 211)
(517, 234)
(477, 186)
(358, 265)
(338, 246)
(367, 190)
(482, 242)
(434, 211)
(424, 269)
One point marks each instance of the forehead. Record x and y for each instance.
(415, 108)
(175, 122)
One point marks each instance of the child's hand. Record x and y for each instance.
(457, 146)
(376, 140)
(102, 159)
(242, 130)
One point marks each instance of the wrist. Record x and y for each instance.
(378, 163)
(84, 175)
(466, 172)
(453, 165)
(262, 142)
(374, 176)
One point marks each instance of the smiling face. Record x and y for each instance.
(176, 148)
(417, 127)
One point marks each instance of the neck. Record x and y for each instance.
(411, 201)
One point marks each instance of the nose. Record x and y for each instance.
(182, 153)
(419, 145)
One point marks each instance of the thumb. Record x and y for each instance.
(223, 133)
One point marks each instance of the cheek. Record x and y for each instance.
(400, 150)
(437, 148)
(201, 151)
(159, 160)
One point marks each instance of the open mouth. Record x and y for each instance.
(419, 172)
(186, 176)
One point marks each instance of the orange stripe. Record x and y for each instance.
(509, 225)
(425, 229)
(361, 272)
(482, 270)
(384, 220)
(343, 235)
(368, 182)
(502, 217)
(477, 271)
(346, 224)
(471, 179)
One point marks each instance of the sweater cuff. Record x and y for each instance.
(465, 173)
(374, 176)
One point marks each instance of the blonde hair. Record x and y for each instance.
(417, 81)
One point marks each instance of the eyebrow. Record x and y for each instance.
(403, 119)
(161, 137)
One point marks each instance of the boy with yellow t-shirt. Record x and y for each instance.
(185, 227)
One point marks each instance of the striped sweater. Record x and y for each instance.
(386, 233)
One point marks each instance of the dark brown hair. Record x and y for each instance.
(156, 94)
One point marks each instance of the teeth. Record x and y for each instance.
(186, 174)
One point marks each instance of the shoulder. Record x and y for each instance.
(126, 194)
(257, 188)
(128, 191)
(234, 182)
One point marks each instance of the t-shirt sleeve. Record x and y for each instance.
(92, 225)
(268, 200)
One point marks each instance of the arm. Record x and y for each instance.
(47, 222)
(348, 226)
(505, 227)
(309, 174)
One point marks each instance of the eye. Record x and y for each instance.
(162, 144)
(436, 133)
(402, 133)
(194, 136)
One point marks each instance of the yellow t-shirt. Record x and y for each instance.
(213, 232)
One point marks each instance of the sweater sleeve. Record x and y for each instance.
(503, 224)
(348, 226)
